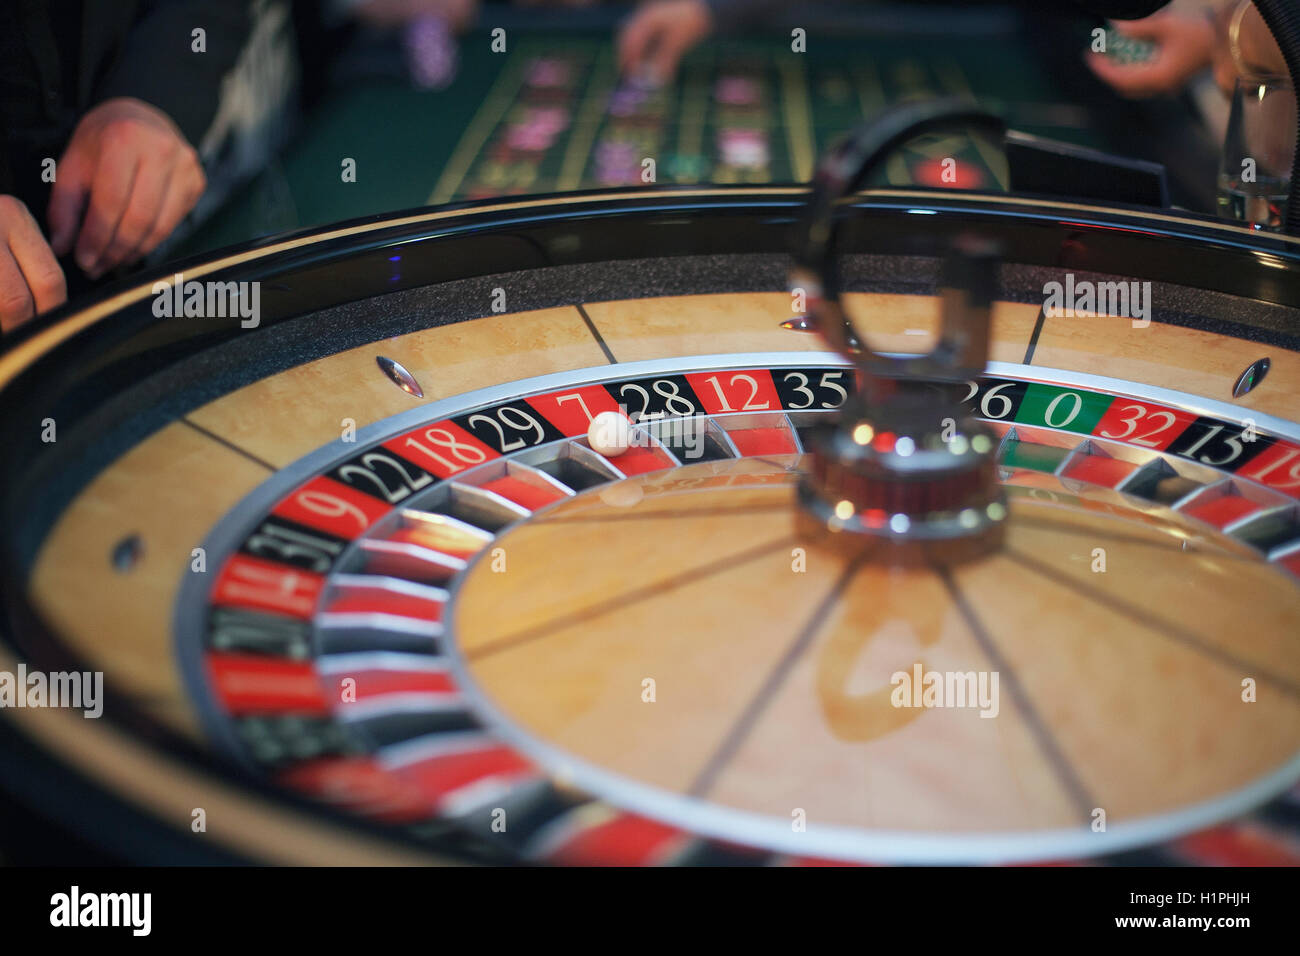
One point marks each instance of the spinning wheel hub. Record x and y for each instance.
(906, 462)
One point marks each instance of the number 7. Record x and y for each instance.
(585, 410)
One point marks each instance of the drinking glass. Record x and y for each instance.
(1255, 169)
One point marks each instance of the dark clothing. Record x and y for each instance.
(1123, 9)
(60, 58)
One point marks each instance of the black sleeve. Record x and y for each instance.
(158, 64)
(732, 14)
(1122, 9)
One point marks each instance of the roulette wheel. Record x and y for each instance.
(977, 539)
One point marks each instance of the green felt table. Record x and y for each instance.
(412, 148)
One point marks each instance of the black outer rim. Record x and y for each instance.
(482, 239)
(309, 271)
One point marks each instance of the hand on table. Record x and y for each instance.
(1259, 52)
(653, 41)
(31, 281)
(126, 180)
(1184, 46)
(395, 13)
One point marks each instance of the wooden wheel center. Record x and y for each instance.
(669, 636)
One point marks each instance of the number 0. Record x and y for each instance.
(1078, 406)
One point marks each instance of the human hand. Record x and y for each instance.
(393, 13)
(1184, 46)
(31, 281)
(653, 41)
(135, 177)
(1257, 51)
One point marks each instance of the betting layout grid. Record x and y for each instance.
(562, 119)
